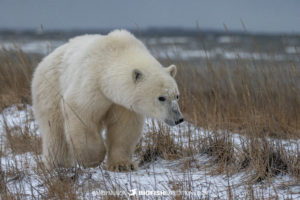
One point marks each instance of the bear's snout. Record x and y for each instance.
(179, 121)
(174, 117)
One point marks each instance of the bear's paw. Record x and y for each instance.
(122, 166)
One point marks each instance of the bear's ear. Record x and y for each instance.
(137, 75)
(172, 70)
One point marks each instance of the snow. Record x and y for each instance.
(39, 46)
(292, 49)
(180, 53)
(158, 178)
(18, 115)
(175, 48)
(225, 39)
(167, 40)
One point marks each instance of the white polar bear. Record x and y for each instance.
(97, 82)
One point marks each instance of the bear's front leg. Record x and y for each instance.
(124, 129)
(85, 141)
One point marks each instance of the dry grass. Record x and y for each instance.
(158, 144)
(250, 98)
(16, 70)
(259, 100)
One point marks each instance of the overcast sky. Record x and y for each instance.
(258, 15)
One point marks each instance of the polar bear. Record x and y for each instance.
(95, 83)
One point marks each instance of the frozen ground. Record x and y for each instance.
(181, 48)
(161, 178)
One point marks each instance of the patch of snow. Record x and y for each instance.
(43, 47)
(180, 53)
(177, 48)
(225, 39)
(166, 40)
(18, 116)
(157, 178)
(292, 49)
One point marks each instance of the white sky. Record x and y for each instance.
(258, 15)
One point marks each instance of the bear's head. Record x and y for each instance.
(156, 94)
(137, 81)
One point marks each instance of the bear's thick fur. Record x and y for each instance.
(95, 83)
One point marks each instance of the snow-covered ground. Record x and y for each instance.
(175, 48)
(160, 178)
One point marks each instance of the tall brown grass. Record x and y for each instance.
(258, 99)
(16, 69)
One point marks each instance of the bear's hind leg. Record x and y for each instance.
(55, 149)
(124, 129)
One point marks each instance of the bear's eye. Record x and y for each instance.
(161, 98)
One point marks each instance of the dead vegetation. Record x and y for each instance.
(158, 144)
(16, 70)
(258, 100)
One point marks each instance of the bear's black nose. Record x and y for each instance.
(179, 121)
